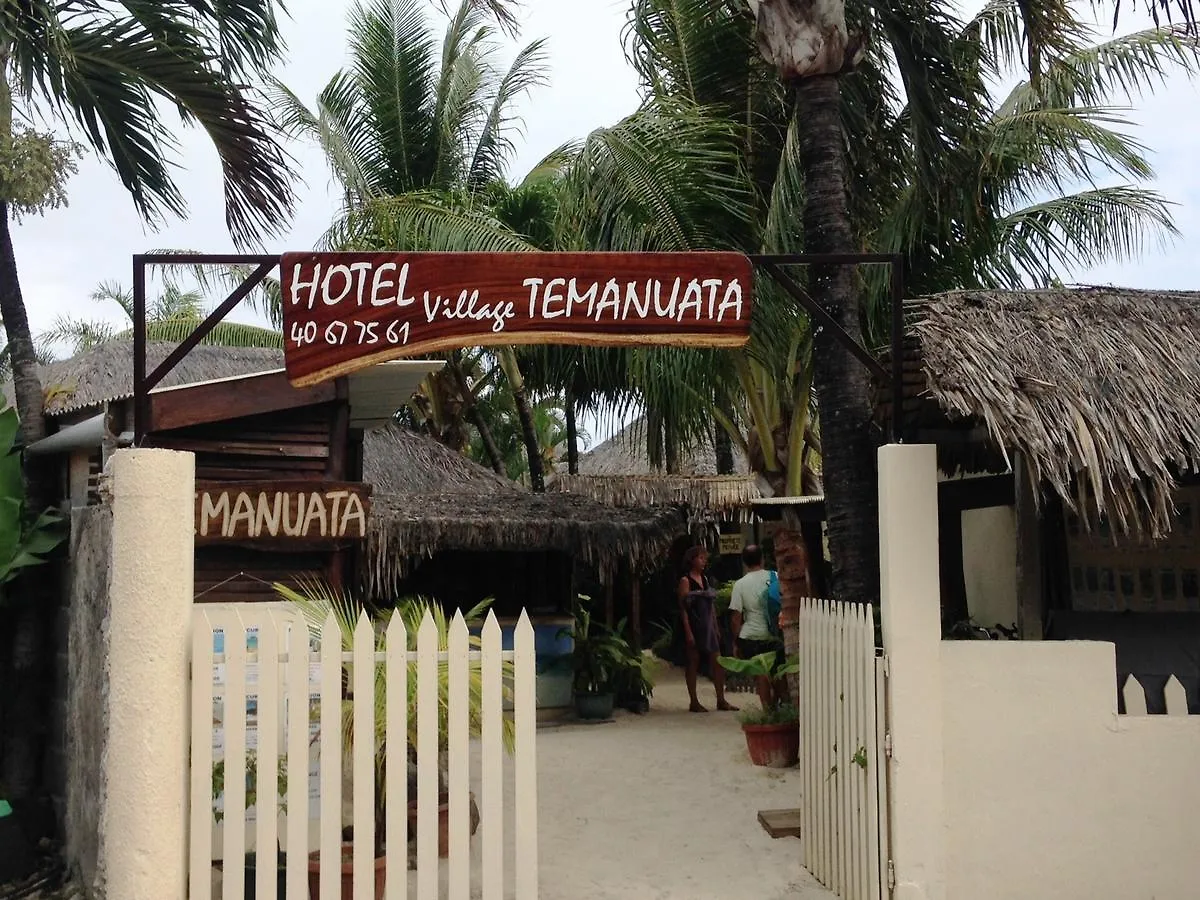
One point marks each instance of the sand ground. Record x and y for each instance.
(664, 807)
(656, 807)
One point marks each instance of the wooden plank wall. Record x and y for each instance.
(304, 443)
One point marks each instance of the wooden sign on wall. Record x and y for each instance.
(293, 511)
(347, 311)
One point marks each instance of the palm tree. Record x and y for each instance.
(104, 67)
(420, 143)
(814, 47)
(172, 316)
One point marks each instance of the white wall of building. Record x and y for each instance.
(989, 539)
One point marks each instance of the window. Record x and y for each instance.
(1114, 573)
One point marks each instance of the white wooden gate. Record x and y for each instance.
(842, 749)
(266, 662)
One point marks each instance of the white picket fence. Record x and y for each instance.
(1135, 697)
(289, 669)
(842, 754)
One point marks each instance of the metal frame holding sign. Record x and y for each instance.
(470, 317)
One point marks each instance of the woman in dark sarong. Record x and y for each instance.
(699, 615)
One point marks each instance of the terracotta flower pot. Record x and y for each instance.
(443, 821)
(314, 874)
(774, 746)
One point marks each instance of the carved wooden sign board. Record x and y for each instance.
(308, 512)
(347, 311)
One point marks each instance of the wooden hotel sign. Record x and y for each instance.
(347, 311)
(282, 511)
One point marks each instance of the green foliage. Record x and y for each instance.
(218, 783)
(34, 170)
(766, 665)
(781, 714)
(170, 317)
(600, 654)
(107, 68)
(316, 600)
(24, 542)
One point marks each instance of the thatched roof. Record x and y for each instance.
(723, 495)
(105, 373)
(1098, 388)
(625, 454)
(618, 473)
(428, 498)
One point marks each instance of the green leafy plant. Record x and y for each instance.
(601, 657)
(218, 783)
(316, 600)
(24, 542)
(766, 665)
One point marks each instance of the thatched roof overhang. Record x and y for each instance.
(427, 498)
(1097, 388)
(725, 496)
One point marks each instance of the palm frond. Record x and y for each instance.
(1063, 234)
(494, 147)
(421, 221)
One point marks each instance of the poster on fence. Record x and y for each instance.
(251, 713)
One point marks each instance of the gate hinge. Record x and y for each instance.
(891, 876)
(887, 744)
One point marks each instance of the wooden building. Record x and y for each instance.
(438, 522)
(1068, 430)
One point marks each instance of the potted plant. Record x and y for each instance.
(316, 600)
(599, 656)
(251, 861)
(633, 679)
(772, 731)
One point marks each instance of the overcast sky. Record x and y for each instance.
(64, 255)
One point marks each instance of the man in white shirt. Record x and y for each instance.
(750, 620)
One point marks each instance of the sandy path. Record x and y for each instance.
(663, 807)
(656, 807)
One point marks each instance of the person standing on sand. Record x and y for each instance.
(752, 626)
(698, 611)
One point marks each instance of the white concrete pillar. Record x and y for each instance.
(911, 621)
(143, 823)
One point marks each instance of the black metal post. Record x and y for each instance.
(140, 411)
(897, 282)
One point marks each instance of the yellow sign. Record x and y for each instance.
(731, 543)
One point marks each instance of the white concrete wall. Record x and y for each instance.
(989, 542)
(144, 802)
(1049, 793)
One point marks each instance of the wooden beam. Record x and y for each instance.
(781, 822)
(635, 610)
(977, 493)
(1030, 603)
(217, 401)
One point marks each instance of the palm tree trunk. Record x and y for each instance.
(671, 442)
(29, 659)
(27, 389)
(722, 442)
(572, 433)
(841, 381)
(533, 447)
(473, 416)
(795, 583)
